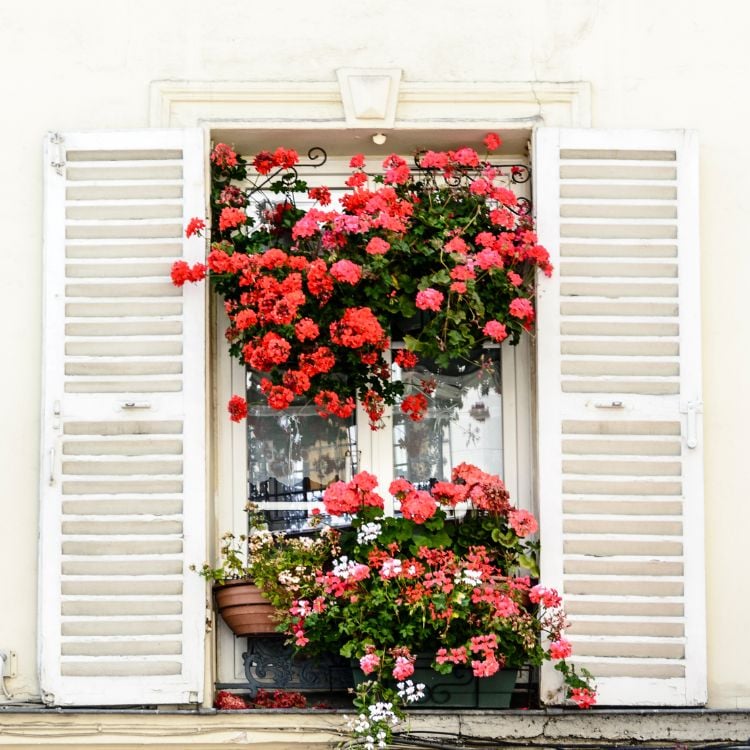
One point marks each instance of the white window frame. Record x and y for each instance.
(375, 447)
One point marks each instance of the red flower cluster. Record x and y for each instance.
(195, 226)
(329, 403)
(522, 522)
(312, 295)
(279, 699)
(418, 506)
(226, 701)
(415, 406)
(237, 408)
(284, 158)
(182, 272)
(583, 697)
(357, 328)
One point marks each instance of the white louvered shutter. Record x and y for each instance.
(123, 421)
(619, 427)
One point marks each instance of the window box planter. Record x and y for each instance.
(458, 690)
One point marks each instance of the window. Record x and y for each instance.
(124, 440)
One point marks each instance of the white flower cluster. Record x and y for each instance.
(391, 568)
(285, 578)
(470, 577)
(365, 726)
(342, 566)
(383, 711)
(368, 532)
(409, 692)
(345, 568)
(261, 538)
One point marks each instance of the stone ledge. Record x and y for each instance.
(64, 729)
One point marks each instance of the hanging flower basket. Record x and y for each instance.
(259, 576)
(244, 609)
(441, 254)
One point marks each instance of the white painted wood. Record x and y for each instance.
(123, 483)
(620, 484)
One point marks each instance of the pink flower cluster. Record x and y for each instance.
(345, 498)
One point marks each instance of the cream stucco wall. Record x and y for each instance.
(650, 63)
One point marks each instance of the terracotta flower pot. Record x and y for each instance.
(244, 609)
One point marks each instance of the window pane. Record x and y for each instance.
(463, 421)
(293, 455)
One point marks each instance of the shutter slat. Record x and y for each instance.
(124, 476)
(619, 362)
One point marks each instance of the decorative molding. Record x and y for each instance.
(369, 96)
(357, 104)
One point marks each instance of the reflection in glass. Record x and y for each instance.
(293, 455)
(463, 421)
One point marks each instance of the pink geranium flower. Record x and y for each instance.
(429, 299)
(404, 668)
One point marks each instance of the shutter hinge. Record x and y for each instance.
(692, 409)
(57, 153)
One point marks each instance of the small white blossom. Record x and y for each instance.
(260, 538)
(342, 567)
(383, 711)
(360, 725)
(470, 577)
(368, 532)
(345, 568)
(409, 692)
(390, 568)
(285, 578)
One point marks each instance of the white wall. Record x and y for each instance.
(651, 63)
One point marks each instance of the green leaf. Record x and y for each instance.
(439, 539)
(435, 523)
(411, 343)
(525, 561)
(441, 277)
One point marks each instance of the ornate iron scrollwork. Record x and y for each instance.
(271, 665)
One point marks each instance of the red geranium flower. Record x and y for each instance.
(237, 408)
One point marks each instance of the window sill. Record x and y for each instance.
(34, 726)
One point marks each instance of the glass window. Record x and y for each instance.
(463, 420)
(293, 455)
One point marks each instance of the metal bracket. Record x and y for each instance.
(692, 409)
(129, 405)
(57, 151)
(609, 405)
(56, 415)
